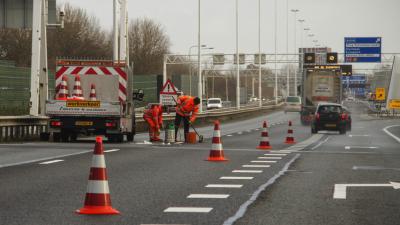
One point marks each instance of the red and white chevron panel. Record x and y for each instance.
(95, 70)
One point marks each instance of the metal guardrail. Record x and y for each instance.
(18, 128)
(24, 128)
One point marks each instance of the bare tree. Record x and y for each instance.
(15, 44)
(148, 44)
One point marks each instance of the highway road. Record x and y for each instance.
(44, 183)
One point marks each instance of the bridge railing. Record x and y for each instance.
(23, 128)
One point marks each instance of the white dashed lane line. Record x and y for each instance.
(236, 178)
(208, 196)
(256, 166)
(263, 161)
(112, 150)
(189, 209)
(224, 186)
(247, 171)
(51, 162)
(266, 157)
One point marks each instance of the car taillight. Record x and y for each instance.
(317, 116)
(111, 124)
(55, 123)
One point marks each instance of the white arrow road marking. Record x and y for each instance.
(247, 171)
(340, 189)
(50, 162)
(207, 196)
(189, 209)
(360, 147)
(224, 186)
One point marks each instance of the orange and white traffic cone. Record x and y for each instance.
(289, 137)
(264, 143)
(63, 91)
(93, 96)
(97, 200)
(217, 151)
(77, 93)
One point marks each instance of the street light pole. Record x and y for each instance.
(276, 37)
(301, 21)
(295, 48)
(237, 58)
(287, 49)
(190, 66)
(259, 55)
(200, 88)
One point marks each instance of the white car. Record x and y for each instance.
(214, 103)
(293, 104)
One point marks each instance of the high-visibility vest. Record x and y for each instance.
(186, 107)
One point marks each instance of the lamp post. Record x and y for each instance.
(199, 84)
(190, 67)
(301, 21)
(307, 29)
(259, 55)
(237, 58)
(276, 37)
(295, 11)
(287, 49)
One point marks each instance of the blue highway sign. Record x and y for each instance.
(362, 49)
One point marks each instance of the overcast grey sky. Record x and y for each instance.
(329, 20)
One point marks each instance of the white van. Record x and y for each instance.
(293, 104)
(214, 103)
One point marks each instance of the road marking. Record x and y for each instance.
(340, 189)
(50, 162)
(243, 208)
(207, 196)
(386, 130)
(374, 168)
(264, 157)
(239, 133)
(112, 150)
(247, 171)
(44, 159)
(273, 154)
(256, 166)
(263, 161)
(320, 143)
(229, 135)
(360, 147)
(359, 135)
(236, 178)
(189, 209)
(281, 151)
(224, 186)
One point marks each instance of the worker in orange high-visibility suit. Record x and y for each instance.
(153, 117)
(187, 108)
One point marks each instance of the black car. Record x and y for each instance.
(330, 116)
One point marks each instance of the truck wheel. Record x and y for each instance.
(119, 138)
(56, 137)
(130, 137)
(44, 136)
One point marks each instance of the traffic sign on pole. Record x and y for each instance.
(380, 94)
(168, 94)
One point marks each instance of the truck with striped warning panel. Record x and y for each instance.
(91, 98)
